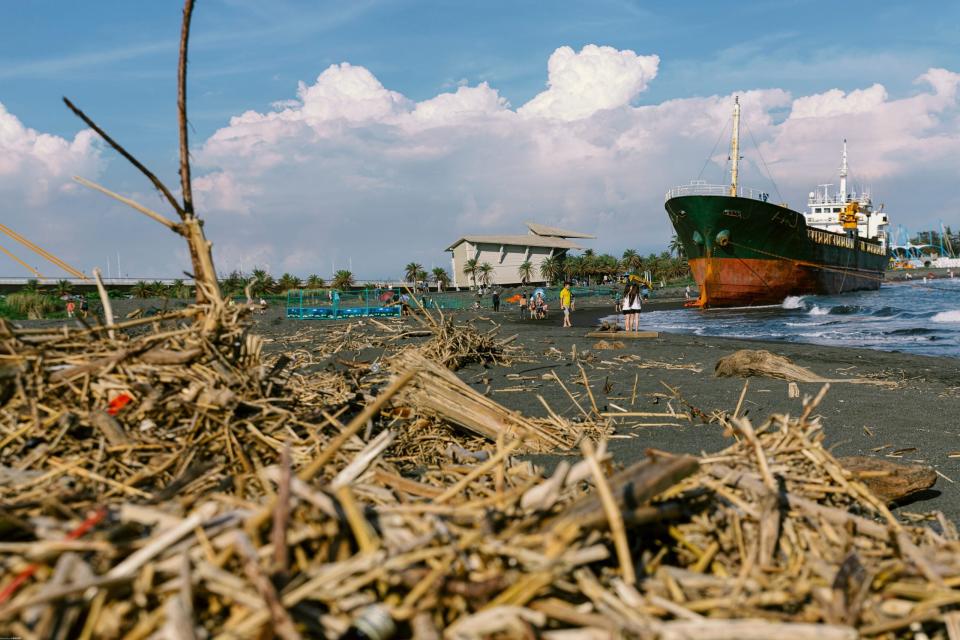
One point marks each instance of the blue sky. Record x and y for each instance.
(117, 60)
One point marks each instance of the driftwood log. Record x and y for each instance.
(747, 363)
(889, 480)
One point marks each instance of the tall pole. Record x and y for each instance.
(843, 173)
(735, 148)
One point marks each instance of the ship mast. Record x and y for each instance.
(735, 148)
(843, 173)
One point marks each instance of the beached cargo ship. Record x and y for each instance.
(744, 250)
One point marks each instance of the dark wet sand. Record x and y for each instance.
(923, 412)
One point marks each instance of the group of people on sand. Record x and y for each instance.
(75, 309)
(533, 307)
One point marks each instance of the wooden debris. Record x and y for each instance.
(625, 335)
(890, 481)
(608, 344)
(169, 479)
(747, 363)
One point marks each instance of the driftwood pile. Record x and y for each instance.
(160, 479)
(171, 484)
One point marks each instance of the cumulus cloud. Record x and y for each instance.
(345, 170)
(835, 102)
(35, 167)
(361, 172)
(596, 78)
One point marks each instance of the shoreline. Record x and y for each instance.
(915, 421)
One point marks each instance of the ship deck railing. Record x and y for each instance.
(701, 188)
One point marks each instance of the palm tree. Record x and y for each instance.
(525, 271)
(411, 270)
(550, 269)
(158, 289)
(441, 277)
(631, 260)
(486, 273)
(315, 282)
(32, 286)
(676, 246)
(141, 289)
(264, 282)
(422, 276)
(470, 269)
(179, 289)
(342, 279)
(63, 288)
(232, 285)
(287, 282)
(574, 266)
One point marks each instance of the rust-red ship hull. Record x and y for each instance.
(749, 252)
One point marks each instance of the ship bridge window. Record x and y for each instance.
(817, 210)
(836, 209)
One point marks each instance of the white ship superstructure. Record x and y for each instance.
(825, 209)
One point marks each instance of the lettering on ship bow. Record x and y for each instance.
(825, 237)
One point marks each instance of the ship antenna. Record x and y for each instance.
(843, 173)
(735, 148)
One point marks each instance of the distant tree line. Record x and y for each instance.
(591, 267)
(947, 239)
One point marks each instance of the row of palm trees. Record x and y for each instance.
(157, 289)
(587, 266)
(590, 267)
(263, 283)
(140, 289)
(414, 272)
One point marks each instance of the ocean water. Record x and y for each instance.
(913, 317)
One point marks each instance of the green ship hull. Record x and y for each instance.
(744, 251)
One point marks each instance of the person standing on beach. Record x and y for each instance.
(566, 298)
(71, 305)
(523, 304)
(631, 308)
(496, 299)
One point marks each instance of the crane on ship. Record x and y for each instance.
(40, 251)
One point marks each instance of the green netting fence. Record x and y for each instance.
(330, 304)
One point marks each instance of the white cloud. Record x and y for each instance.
(354, 170)
(220, 191)
(596, 78)
(836, 102)
(35, 166)
(345, 169)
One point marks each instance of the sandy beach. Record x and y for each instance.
(912, 418)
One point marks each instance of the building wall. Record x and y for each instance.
(505, 265)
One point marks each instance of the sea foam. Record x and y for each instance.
(819, 311)
(793, 302)
(947, 316)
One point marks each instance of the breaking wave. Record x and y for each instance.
(947, 316)
(914, 319)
